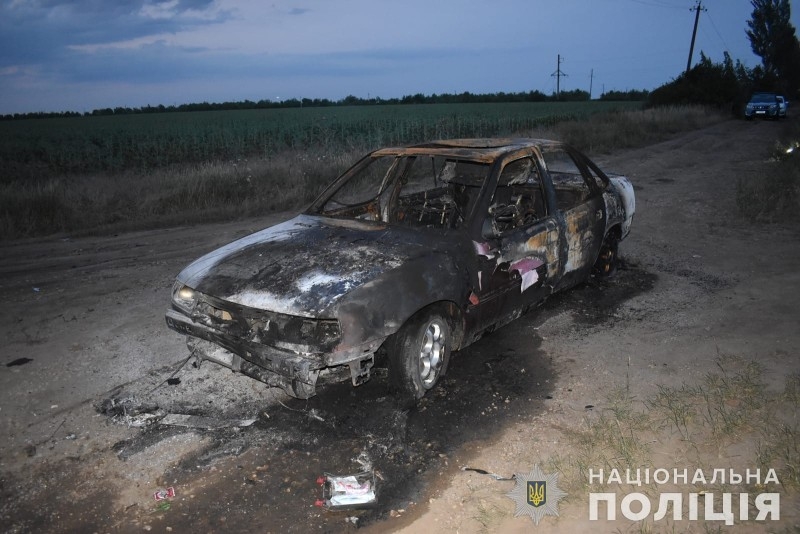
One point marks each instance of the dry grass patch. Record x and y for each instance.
(729, 419)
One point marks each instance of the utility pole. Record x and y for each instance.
(591, 79)
(697, 9)
(558, 74)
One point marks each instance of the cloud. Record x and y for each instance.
(127, 52)
(42, 31)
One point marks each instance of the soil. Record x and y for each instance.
(88, 367)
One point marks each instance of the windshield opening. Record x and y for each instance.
(423, 191)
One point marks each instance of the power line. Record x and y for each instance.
(727, 48)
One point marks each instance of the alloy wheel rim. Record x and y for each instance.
(431, 354)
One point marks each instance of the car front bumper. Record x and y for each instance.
(761, 113)
(296, 373)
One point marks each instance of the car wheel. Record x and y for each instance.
(419, 355)
(606, 264)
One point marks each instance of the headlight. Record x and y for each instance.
(184, 297)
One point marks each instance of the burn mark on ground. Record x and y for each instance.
(597, 301)
(704, 280)
(342, 430)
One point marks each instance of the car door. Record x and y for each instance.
(519, 257)
(580, 211)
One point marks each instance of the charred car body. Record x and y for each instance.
(414, 252)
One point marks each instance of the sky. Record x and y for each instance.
(80, 55)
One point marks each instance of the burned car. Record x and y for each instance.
(411, 254)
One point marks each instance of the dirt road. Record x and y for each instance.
(86, 358)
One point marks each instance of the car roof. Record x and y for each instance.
(485, 150)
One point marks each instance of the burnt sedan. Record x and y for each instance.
(411, 254)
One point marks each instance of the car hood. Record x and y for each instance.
(303, 266)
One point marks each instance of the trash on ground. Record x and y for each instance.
(207, 423)
(130, 412)
(487, 473)
(141, 419)
(347, 491)
(163, 506)
(164, 494)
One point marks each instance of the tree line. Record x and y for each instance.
(445, 98)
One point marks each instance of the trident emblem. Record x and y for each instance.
(537, 493)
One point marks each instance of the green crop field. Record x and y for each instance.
(147, 141)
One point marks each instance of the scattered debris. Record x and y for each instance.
(163, 494)
(487, 473)
(128, 411)
(313, 414)
(364, 461)
(172, 376)
(163, 506)
(207, 423)
(348, 491)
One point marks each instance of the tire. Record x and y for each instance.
(606, 263)
(419, 355)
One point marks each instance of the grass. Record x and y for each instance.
(620, 129)
(780, 437)
(165, 197)
(489, 516)
(729, 419)
(261, 169)
(146, 142)
(774, 194)
(610, 439)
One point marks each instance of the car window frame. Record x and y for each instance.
(582, 163)
(543, 189)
